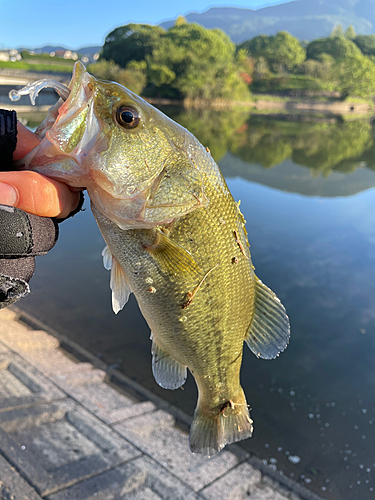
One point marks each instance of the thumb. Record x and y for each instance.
(36, 194)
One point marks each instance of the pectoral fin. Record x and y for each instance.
(107, 258)
(168, 373)
(118, 284)
(269, 330)
(177, 191)
(172, 257)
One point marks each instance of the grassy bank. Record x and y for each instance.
(58, 67)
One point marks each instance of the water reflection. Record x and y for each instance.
(216, 130)
(317, 252)
(246, 145)
(323, 147)
(288, 176)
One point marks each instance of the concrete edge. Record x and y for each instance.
(134, 388)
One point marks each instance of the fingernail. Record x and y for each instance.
(8, 195)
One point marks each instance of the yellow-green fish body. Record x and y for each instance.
(176, 239)
(199, 312)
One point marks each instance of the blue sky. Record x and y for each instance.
(74, 23)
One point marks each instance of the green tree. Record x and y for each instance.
(356, 75)
(320, 69)
(337, 47)
(281, 51)
(350, 33)
(180, 20)
(366, 44)
(351, 72)
(337, 31)
(261, 68)
(132, 77)
(197, 63)
(132, 42)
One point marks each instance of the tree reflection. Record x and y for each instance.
(323, 147)
(214, 129)
(244, 144)
(336, 147)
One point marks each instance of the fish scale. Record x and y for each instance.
(175, 238)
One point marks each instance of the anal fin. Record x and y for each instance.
(168, 373)
(269, 330)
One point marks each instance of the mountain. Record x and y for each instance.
(88, 51)
(305, 19)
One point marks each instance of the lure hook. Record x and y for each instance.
(33, 89)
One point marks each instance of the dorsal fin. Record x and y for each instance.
(269, 330)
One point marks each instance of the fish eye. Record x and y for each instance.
(127, 117)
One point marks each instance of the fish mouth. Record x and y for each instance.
(72, 123)
(68, 133)
(79, 90)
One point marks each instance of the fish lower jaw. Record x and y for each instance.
(126, 213)
(64, 172)
(124, 218)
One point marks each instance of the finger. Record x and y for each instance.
(36, 194)
(26, 141)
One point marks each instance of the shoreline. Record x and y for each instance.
(296, 106)
(273, 102)
(294, 101)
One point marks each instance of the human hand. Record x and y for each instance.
(32, 192)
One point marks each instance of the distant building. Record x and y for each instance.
(88, 58)
(10, 55)
(70, 55)
(4, 55)
(65, 54)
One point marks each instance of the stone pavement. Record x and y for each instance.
(66, 433)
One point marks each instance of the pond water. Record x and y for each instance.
(307, 189)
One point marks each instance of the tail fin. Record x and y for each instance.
(211, 431)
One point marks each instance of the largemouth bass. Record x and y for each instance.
(175, 238)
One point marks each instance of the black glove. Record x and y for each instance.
(23, 236)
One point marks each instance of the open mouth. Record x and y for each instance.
(68, 133)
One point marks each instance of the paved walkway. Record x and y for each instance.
(67, 434)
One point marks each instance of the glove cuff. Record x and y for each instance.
(12, 289)
(25, 235)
